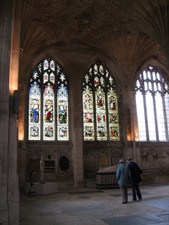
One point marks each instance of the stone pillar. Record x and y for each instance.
(76, 130)
(133, 118)
(9, 197)
(13, 190)
(5, 47)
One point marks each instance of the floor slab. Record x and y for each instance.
(96, 207)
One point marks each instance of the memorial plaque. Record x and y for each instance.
(49, 166)
(103, 161)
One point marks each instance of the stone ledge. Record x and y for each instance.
(41, 189)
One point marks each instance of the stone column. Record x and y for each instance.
(5, 48)
(133, 117)
(13, 189)
(76, 130)
(9, 197)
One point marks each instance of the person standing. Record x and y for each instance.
(122, 178)
(135, 178)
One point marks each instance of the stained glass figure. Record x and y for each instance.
(52, 65)
(45, 64)
(45, 77)
(88, 132)
(102, 81)
(96, 81)
(101, 69)
(151, 95)
(52, 78)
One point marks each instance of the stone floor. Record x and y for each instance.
(96, 207)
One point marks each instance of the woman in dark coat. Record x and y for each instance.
(135, 178)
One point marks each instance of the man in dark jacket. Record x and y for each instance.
(135, 178)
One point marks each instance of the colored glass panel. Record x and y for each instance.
(96, 81)
(48, 113)
(52, 78)
(45, 77)
(45, 64)
(34, 110)
(88, 119)
(52, 65)
(101, 123)
(62, 111)
(113, 116)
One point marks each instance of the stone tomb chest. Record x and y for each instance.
(106, 177)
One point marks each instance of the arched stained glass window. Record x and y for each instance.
(152, 103)
(48, 99)
(100, 109)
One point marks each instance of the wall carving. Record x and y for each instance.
(154, 158)
(100, 157)
(51, 154)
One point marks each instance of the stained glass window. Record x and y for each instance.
(152, 95)
(48, 99)
(100, 109)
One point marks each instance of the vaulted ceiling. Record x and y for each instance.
(125, 30)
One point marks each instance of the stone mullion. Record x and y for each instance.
(134, 124)
(145, 113)
(165, 117)
(155, 117)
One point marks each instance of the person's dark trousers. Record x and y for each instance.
(124, 193)
(136, 191)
